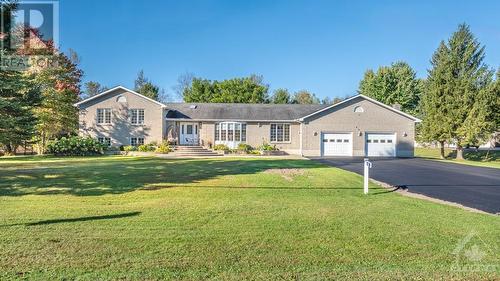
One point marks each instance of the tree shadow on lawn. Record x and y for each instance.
(81, 219)
(117, 176)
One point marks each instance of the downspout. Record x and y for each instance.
(301, 137)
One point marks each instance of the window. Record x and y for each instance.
(223, 131)
(104, 140)
(230, 131)
(137, 116)
(237, 132)
(346, 140)
(189, 129)
(280, 132)
(243, 132)
(104, 116)
(389, 141)
(136, 141)
(359, 109)
(217, 132)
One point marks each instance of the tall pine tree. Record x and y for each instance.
(457, 104)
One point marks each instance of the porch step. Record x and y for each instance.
(193, 151)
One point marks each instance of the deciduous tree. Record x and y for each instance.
(305, 97)
(281, 96)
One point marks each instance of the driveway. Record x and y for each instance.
(474, 187)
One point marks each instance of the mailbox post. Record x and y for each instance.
(367, 166)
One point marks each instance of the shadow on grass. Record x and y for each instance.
(118, 175)
(81, 219)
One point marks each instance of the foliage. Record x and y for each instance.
(394, 84)
(146, 88)
(93, 88)
(146, 148)
(237, 90)
(163, 148)
(183, 83)
(129, 148)
(75, 146)
(459, 100)
(243, 147)
(267, 147)
(305, 97)
(18, 97)
(60, 88)
(221, 147)
(281, 96)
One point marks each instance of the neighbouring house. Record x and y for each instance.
(358, 126)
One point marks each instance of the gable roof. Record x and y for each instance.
(114, 89)
(240, 111)
(366, 98)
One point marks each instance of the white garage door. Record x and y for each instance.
(337, 144)
(381, 145)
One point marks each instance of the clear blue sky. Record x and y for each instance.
(321, 46)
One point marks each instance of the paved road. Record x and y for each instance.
(475, 187)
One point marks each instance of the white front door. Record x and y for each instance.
(339, 144)
(188, 133)
(380, 144)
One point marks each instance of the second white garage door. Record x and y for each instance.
(381, 145)
(337, 144)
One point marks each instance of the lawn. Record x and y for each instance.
(226, 218)
(481, 158)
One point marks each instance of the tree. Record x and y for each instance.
(140, 81)
(458, 103)
(18, 96)
(143, 86)
(305, 97)
(237, 90)
(184, 82)
(93, 88)
(281, 96)
(394, 84)
(60, 89)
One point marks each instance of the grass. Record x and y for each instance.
(481, 158)
(226, 218)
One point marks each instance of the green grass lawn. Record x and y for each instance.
(225, 218)
(475, 158)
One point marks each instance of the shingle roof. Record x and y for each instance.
(240, 111)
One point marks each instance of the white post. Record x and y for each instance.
(367, 165)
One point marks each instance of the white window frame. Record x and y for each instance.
(104, 140)
(284, 127)
(105, 119)
(137, 116)
(137, 140)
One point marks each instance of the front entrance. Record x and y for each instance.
(188, 134)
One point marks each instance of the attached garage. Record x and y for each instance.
(336, 144)
(381, 144)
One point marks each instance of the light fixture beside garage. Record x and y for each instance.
(360, 133)
(315, 133)
(405, 134)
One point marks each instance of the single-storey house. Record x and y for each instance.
(357, 126)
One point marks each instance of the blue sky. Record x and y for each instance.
(321, 46)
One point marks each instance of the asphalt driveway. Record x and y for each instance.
(475, 187)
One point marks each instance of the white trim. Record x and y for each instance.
(230, 120)
(114, 89)
(367, 98)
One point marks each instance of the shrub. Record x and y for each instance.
(77, 146)
(146, 148)
(221, 147)
(163, 148)
(129, 148)
(243, 147)
(267, 147)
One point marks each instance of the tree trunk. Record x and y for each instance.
(460, 152)
(441, 149)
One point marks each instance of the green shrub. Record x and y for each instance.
(78, 146)
(146, 148)
(163, 148)
(221, 147)
(267, 147)
(243, 147)
(129, 148)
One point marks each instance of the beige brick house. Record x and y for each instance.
(358, 126)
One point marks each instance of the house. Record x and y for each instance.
(358, 126)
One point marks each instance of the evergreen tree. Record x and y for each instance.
(93, 88)
(394, 84)
(18, 96)
(459, 103)
(281, 96)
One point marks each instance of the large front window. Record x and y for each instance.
(280, 132)
(104, 116)
(137, 116)
(230, 133)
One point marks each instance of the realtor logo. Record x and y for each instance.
(472, 254)
(29, 25)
